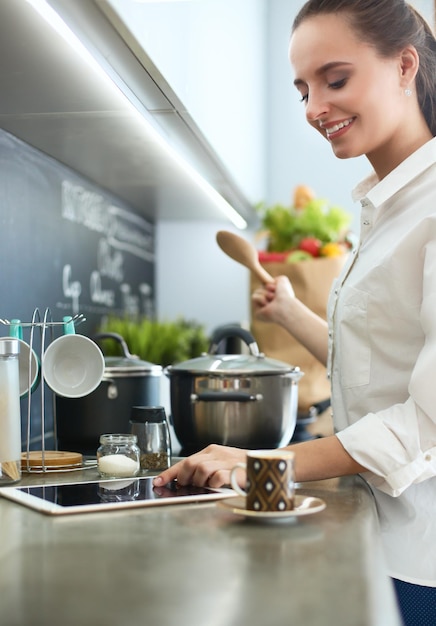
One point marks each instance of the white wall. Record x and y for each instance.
(427, 9)
(195, 279)
(212, 53)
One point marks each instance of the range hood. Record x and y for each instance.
(53, 100)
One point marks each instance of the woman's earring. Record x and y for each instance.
(408, 92)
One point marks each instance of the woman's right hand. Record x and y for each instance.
(210, 467)
(277, 302)
(272, 301)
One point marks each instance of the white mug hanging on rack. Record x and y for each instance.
(72, 365)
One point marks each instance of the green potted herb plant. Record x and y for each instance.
(157, 341)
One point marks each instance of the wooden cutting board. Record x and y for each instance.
(52, 459)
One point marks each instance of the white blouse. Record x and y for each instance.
(382, 359)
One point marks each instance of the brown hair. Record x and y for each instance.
(389, 26)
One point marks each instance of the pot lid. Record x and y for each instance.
(129, 366)
(237, 364)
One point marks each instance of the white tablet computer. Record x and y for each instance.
(108, 495)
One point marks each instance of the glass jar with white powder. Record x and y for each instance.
(118, 456)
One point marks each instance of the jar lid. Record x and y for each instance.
(142, 414)
(9, 347)
(118, 438)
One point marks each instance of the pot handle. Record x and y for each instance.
(226, 396)
(120, 340)
(232, 330)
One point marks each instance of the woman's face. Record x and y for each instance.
(354, 97)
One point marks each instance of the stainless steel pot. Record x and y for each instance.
(244, 400)
(127, 382)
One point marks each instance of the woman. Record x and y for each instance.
(366, 73)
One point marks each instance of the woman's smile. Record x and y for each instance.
(336, 129)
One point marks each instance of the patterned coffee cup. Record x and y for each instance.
(270, 483)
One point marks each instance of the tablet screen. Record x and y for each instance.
(108, 494)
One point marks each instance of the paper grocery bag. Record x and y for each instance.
(311, 280)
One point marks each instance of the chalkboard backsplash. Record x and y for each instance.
(67, 246)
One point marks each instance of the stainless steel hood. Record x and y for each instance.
(53, 100)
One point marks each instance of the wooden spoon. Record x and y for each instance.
(243, 252)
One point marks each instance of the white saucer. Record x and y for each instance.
(303, 505)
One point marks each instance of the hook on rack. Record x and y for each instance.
(76, 319)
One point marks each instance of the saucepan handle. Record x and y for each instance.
(225, 396)
(232, 330)
(118, 338)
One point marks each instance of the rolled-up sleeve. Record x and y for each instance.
(388, 445)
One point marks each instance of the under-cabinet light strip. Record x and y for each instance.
(58, 24)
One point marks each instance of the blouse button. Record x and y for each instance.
(366, 223)
(427, 457)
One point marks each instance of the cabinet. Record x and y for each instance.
(56, 101)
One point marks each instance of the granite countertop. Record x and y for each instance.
(196, 564)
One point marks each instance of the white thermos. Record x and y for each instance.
(10, 417)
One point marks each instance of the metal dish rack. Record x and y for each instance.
(46, 327)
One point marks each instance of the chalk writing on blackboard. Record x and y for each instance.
(121, 233)
(123, 230)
